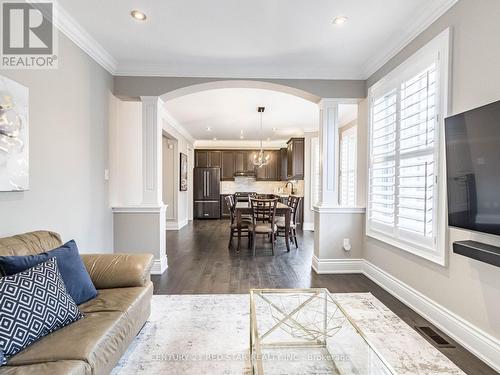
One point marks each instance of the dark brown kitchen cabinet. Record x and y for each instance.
(295, 159)
(208, 158)
(283, 165)
(228, 165)
(244, 161)
(270, 171)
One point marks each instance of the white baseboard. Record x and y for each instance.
(325, 266)
(308, 226)
(478, 342)
(474, 339)
(176, 225)
(159, 266)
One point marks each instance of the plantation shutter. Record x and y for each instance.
(402, 167)
(348, 167)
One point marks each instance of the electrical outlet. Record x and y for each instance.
(347, 244)
(106, 174)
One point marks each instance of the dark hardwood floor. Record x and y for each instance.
(199, 262)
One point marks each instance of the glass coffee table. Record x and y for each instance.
(306, 331)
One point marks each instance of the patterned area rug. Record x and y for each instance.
(209, 334)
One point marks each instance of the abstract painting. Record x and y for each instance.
(14, 131)
(184, 172)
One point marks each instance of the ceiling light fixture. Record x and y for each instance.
(340, 20)
(259, 160)
(209, 128)
(138, 15)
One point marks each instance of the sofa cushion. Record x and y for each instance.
(102, 337)
(73, 271)
(29, 243)
(118, 299)
(33, 303)
(52, 368)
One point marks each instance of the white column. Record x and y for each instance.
(328, 149)
(151, 151)
(141, 228)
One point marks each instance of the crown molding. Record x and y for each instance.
(78, 35)
(239, 144)
(176, 125)
(414, 30)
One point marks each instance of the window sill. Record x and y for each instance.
(422, 252)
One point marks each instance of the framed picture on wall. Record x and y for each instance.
(14, 130)
(183, 172)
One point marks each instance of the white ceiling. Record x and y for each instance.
(229, 112)
(232, 113)
(241, 38)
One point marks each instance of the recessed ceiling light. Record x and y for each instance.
(274, 129)
(138, 15)
(215, 139)
(209, 128)
(340, 20)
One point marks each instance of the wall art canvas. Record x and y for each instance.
(184, 172)
(14, 136)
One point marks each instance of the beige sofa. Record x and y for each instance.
(94, 344)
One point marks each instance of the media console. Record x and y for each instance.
(480, 251)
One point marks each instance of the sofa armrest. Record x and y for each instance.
(118, 270)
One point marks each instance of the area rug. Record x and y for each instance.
(209, 334)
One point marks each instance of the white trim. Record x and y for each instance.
(138, 209)
(175, 224)
(308, 226)
(176, 125)
(339, 210)
(472, 338)
(438, 50)
(430, 16)
(159, 266)
(334, 266)
(78, 35)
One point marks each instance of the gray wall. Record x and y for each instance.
(315, 89)
(468, 288)
(68, 153)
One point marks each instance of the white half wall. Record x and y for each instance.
(69, 111)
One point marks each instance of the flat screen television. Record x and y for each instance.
(473, 169)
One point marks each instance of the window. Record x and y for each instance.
(315, 172)
(348, 170)
(406, 114)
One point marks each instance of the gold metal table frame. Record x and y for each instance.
(309, 334)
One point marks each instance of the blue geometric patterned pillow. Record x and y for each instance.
(33, 303)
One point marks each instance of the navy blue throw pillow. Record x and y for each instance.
(71, 267)
(33, 304)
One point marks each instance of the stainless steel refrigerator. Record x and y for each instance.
(206, 193)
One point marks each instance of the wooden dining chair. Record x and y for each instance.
(263, 214)
(245, 227)
(293, 202)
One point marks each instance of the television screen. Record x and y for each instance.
(473, 169)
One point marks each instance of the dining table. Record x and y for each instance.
(244, 208)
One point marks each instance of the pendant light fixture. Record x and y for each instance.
(259, 160)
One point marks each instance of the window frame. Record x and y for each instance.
(436, 51)
(343, 133)
(315, 164)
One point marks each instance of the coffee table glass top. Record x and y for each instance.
(306, 331)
